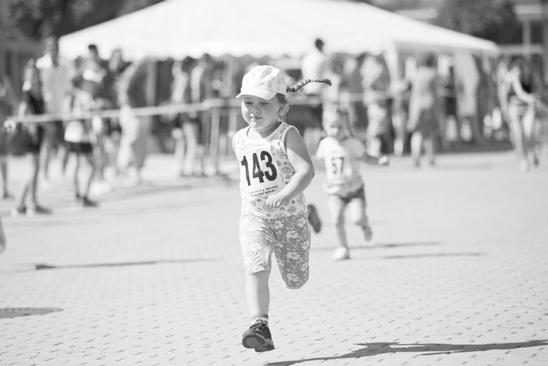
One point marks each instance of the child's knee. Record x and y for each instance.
(295, 282)
(358, 220)
(296, 285)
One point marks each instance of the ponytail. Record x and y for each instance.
(300, 84)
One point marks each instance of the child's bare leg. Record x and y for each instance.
(190, 131)
(89, 180)
(4, 174)
(358, 216)
(75, 183)
(429, 149)
(258, 294)
(33, 182)
(337, 207)
(416, 147)
(64, 162)
(2, 238)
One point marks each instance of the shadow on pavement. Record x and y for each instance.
(8, 313)
(460, 166)
(384, 245)
(433, 255)
(423, 349)
(44, 266)
(151, 187)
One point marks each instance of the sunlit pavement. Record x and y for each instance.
(457, 274)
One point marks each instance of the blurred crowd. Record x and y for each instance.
(97, 129)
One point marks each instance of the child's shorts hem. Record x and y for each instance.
(287, 238)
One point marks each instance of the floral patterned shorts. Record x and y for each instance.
(288, 237)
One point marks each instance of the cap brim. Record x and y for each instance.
(256, 92)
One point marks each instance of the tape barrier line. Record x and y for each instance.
(188, 108)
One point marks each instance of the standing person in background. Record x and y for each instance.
(467, 82)
(424, 110)
(378, 98)
(79, 138)
(133, 141)
(55, 78)
(187, 125)
(202, 91)
(503, 86)
(524, 87)
(8, 103)
(341, 152)
(314, 65)
(353, 82)
(32, 137)
(98, 82)
(116, 67)
(450, 119)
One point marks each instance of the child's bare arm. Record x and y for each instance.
(299, 157)
(377, 160)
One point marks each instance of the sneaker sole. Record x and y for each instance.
(257, 343)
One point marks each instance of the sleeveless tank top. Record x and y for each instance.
(264, 170)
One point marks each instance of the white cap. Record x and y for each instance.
(263, 81)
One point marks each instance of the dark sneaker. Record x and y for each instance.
(258, 337)
(18, 211)
(86, 202)
(314, 218)
(38, 210)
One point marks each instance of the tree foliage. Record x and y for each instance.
(40, 18)
(490, 19)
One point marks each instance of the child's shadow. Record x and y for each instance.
(426, 349)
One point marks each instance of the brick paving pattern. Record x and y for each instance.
(457, 275)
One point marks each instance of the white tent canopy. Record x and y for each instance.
(179, 28)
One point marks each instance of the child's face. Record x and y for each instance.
(260, 113)
(335, 126)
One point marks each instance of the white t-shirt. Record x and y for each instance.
(76, 130)
(55, 83)
(341, 159)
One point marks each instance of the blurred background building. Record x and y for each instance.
(520, 27)
(529, 37)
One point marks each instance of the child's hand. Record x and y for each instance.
(276, 200)
(383, 160)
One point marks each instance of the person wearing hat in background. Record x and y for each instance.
(275, 169)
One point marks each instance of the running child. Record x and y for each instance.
(275, 169)
(341, 153)
(78, 141)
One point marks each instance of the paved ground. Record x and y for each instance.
(457, 275)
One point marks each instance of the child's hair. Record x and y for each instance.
(295, 87)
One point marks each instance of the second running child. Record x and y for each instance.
(341, 154)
